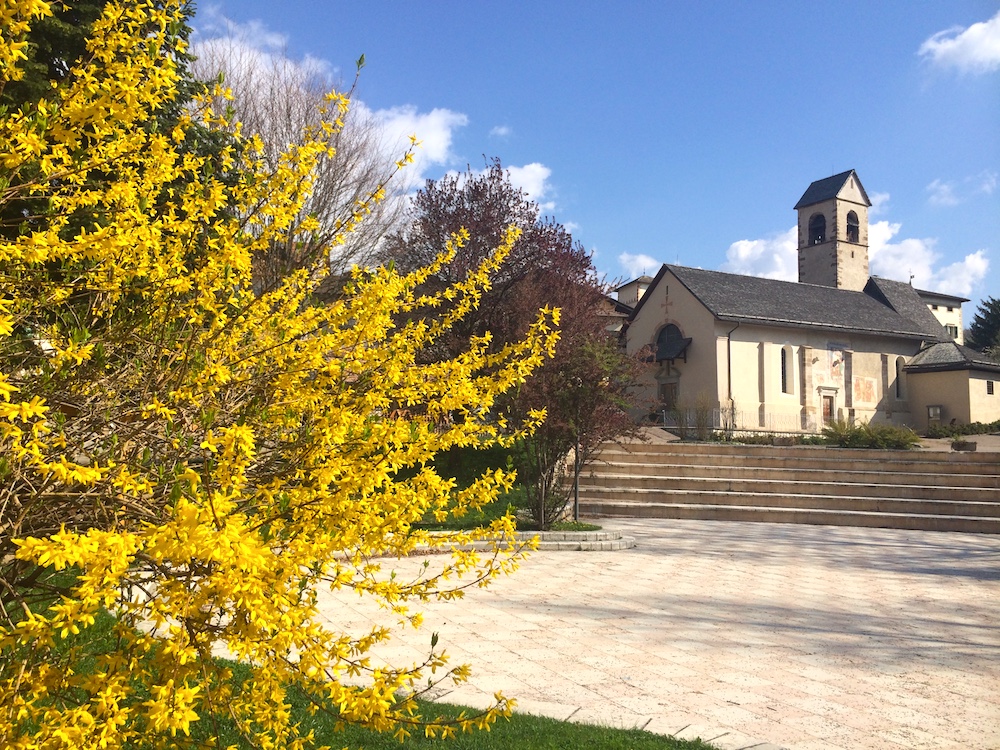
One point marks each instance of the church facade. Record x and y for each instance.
(762, 354)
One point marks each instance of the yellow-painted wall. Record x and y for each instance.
(671, 302)
(984, 406)
(949, 390)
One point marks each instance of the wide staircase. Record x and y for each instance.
(933, 491)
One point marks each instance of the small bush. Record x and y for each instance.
(868, 435)
(812, 440)
(746, 438)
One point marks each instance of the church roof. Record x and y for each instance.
(644, 279)
(905, 300)
(929, 296)
(827, 188)
(950, 355)
(751, 299)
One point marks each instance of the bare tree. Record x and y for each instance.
(277, 98)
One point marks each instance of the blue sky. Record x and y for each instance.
(685, 132)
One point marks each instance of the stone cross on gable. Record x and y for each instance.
(666, 304)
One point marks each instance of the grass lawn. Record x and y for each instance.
(522, 732)
(466, 465)
(525, 732)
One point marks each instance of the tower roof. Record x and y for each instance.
(829, 187)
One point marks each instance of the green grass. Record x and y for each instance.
(521, 732)
(476, 518)
(524, 732)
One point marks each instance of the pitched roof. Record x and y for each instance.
(929, 296)
(905, 300)
(950, 355)
(827, 188)
(751, 299)
(644, 279)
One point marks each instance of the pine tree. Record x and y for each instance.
(984, 333)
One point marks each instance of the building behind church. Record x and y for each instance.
(762, 354)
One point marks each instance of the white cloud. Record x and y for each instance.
(914, 260)
(963, 276)
(880, 203)
(774, 257)
(434, 130)
(211, 24)
(251, 48)
(638, 265)
(501, 131)
(975, 49)
(951, 193)
(942, 194)
(987, 182)
(533, 179)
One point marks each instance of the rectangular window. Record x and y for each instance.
(952, 331)
(784, 370)
(989, 387)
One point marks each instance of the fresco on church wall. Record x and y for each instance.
(865, 390)
(836, 359)
(829, 370)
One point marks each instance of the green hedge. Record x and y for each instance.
(869, 435)
(957, 430)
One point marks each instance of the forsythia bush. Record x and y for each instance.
(194, 459)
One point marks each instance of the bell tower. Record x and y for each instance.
(833, 232)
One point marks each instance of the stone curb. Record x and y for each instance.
(568, 541)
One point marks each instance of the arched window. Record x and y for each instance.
(853, 227)
(670, 343)
(900, 385)
(817, 229)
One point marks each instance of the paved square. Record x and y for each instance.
(749, 635)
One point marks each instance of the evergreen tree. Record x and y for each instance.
(984, 333)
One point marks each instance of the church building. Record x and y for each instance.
(781, 356)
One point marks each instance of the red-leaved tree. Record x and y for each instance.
(585, 387)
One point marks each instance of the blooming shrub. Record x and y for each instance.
(195, 459)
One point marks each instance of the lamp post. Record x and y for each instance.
(576, 477)
(576, 452)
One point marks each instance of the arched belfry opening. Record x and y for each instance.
(833, 232)
(817, 229)
(853, 227)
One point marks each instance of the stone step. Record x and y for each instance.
(845, 503)
(804, 484)
(742, 471)
(770, 514)
(898, 461)
(801, 451)
(786, 484)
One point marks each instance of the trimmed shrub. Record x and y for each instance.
(868, 435)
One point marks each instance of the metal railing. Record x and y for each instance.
(700, 422)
